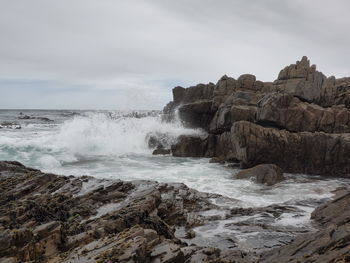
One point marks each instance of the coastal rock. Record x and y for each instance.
(288, 112)
(301, 80)
(161, 151)
(197, 114)
(188, 146)
(268, 174)
(330, 244)
(304, 152)
(178, 94)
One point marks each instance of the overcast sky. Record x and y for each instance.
(129, 54)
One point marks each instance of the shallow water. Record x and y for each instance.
(112, 144)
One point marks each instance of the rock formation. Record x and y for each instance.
(50, 218)
(268, 174)
(300, 122)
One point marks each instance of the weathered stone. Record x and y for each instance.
(305, 152)
(188, 146)
(197, 114)
(268, 174)
(285, 111)
(301, 80)
(178, 94)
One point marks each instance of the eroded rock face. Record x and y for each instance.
(288, 112)
(268, 174)
(313, 109)
(305, 152)
(301, 80)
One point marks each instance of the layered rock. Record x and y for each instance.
(288, 112)
(50, 218)
(304, 152)
(313, 109)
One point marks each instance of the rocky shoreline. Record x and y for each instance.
(300, 122)
(51, 218)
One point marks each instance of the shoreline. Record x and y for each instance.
(67, 219)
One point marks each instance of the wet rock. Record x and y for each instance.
(188, 146)
(10, 125)
(197, 114)
(268, 174)
(161, 151)
(178, 94)
(330, 244)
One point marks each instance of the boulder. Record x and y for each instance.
(188, 146)
(268, 174)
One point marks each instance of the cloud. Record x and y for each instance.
(129, 54)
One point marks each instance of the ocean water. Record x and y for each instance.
(113, 144)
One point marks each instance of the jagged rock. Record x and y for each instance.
(198, 92)
(335, 92)
(288, 112)
(224, 88)
(301, 80)
(268, 174)
(188, 146)
(305, 152)
(247, 81)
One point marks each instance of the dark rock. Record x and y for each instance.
(161, 151)
(330, 244)
(178, 94)
(304, 152)
(197, 114)
(268, 174)
(188, 146)
(285, 111)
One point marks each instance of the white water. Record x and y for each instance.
(110, 145)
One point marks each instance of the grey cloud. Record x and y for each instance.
(145, 47)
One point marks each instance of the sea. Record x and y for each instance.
(114, 145)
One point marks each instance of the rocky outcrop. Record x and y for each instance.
(301, 80)
(306, 113)
(268, 174)
(51, 218)
(305, 152)
(288, 112)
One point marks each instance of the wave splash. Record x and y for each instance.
(99, 134)
(90, 136)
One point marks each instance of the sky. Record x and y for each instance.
(124, 55)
